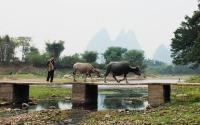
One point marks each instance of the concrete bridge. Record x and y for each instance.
(159, 91)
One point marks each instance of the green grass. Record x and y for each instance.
(194, 79)
(44, 92)
(183, 109)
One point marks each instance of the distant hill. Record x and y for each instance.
(162, 54)
(127, 40)
(101, 41)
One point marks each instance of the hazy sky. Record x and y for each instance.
(77, 21)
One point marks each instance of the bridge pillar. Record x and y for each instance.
(6, 92)
(158, 94)
(20, 93)
(14, 93)
(84, 94)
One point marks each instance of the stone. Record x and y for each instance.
(4, 103)
(25, 106)
(67, 98)
(68, 121)
(107, 116)
(53, 95)
(32, 103)
(148, 107)
(8, 109)
(17, 109)
(121, 110)
(52, 107)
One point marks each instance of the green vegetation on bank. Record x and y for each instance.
(194, 79)
(44, 92)
(183, 109)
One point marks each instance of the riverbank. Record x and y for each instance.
(183, 109)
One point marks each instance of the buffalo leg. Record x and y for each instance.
(107, 72)
(85, 77)
(90, 76)
(116, 78)
(124, 78)
(74, 74)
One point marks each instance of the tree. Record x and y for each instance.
(34, 58)
(33, 50)
(90, 56)
(135, 57)
(7, 49)
(68, 61)
(24, 42)
(186, 42)
(114, 54)
(55, 48)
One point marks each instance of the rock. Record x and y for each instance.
(162, 114)
(32, 103)
(16, 109)
(53, 95)
(67, 121)
(25, 106)
(67, 76)
(121, 110)
(107, 116)
(20, 123)
(52, 107)
(181, 95)
(127, 110)
(4, 103)
(8, 109)
(146, 123)
(67, 98)
(148, 107)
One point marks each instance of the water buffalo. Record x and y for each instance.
(120, 68)
(84, 68)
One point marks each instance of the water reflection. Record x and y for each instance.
(123, 99)
(107, 99)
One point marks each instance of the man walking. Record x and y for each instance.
(50, 64)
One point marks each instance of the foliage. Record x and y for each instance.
(7, 49)
(186, 42)
(55, 48)
(179, 69)
(68, 61)
(35, 58)
(135, 57)
(24, 42)
(114, 54)
(194, 79)
(90, 56)
(154, 67)
(157, 67)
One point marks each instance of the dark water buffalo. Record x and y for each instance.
(84, 68)
(120, 68)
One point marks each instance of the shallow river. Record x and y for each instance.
(111, 97)
(131, 99)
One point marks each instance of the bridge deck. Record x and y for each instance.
(132, 82)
